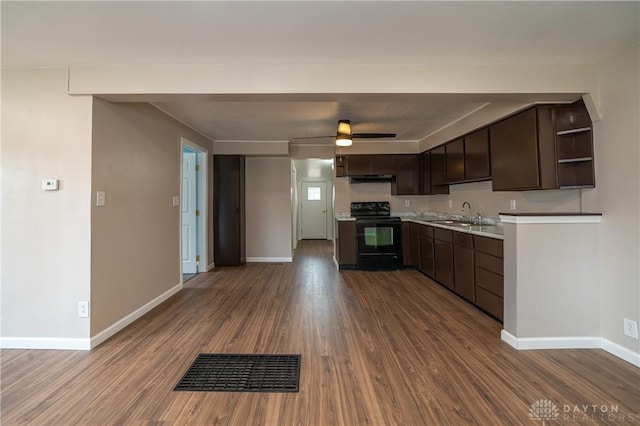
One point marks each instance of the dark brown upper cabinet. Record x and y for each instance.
(454, 155)
(357, 165)
(438, 167)
(406, 181)
(523, 151)
(369, 164)
(426, 187)
(476, 156)
(545, 147)
(383, 164)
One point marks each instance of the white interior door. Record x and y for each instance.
(313, 212)
(189, 231)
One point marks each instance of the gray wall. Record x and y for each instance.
(135, 244)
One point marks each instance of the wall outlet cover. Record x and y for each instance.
(630, 328)
(83, 309)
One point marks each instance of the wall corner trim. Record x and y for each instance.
(122, 323)
(531, 343)
(621, 352)
(210, 266)
(60, 343)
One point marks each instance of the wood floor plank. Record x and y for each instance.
(378, 348)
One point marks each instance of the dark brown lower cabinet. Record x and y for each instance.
(443, 249)
(346, 244)
(414, 244)
(406, 244)
(470, 265)
(463, 265)
(489, 279)
(427, 250)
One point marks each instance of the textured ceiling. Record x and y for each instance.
(53, 33)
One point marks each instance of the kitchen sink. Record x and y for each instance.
(450, 222)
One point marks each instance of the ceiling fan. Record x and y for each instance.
(344, 136)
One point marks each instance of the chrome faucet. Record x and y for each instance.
(469, 217)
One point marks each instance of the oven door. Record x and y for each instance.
(379, 244)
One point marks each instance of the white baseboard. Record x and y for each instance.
(61, 343)
(122, 323)
(621, 352)
(210, 266)
(335, 262)
(528, 343)
(268, 259)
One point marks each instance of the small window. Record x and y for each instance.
(313, 193)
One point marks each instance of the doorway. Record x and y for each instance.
(193, 203)
(313, 210)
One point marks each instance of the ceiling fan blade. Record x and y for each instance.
(316, 137)
(373, 135)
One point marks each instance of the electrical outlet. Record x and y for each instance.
(450, 203)
(630, 328)
(407, 203)
(512, 204)
(83, 309)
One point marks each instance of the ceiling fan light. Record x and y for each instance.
(343, 140)
(344, 127)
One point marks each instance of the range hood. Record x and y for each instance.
(370, 178)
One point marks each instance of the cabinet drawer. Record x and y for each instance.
(426, 231)
(443, 235)
(488, 245)
(490, 281)
(490, 302)
(463, 240)
(490, 263)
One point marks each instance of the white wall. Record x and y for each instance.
(489, 203)
(268, 208)
(617, 155)
(45, 235)
(135, 240)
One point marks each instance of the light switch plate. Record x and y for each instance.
(101, 198)
(176, 201)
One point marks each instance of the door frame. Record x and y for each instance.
(202, 202)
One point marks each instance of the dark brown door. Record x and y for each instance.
(415, 244)
(443, 249)
(514, 152)
(464, 282)
(427, 256)
(228, 211)
(407, 179)
(438, 167)
(357, 165)
(454, 154)
(347, 243)
(476, 155)
(383, 164)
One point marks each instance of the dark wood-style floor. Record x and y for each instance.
(378, 348)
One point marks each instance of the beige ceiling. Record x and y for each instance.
(322, 32)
